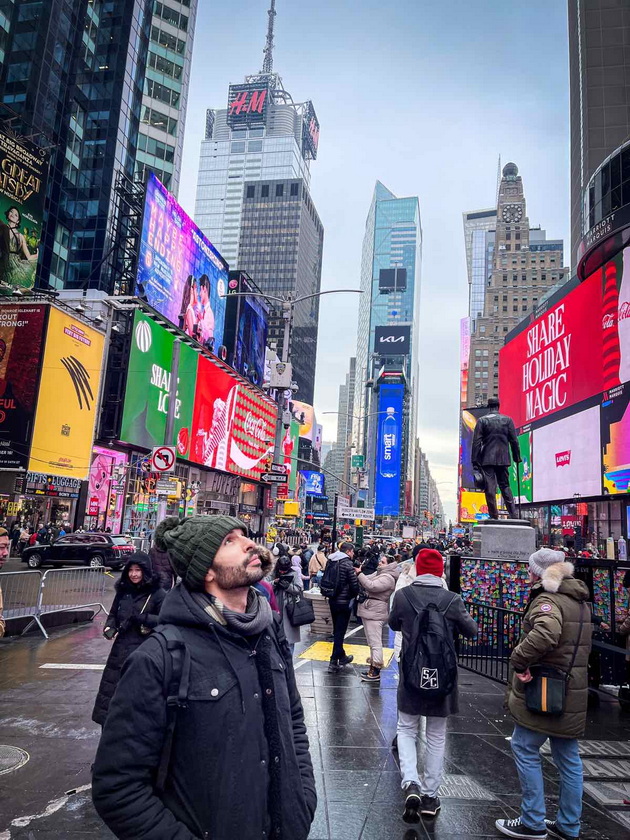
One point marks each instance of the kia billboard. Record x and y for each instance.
(389, 450)
(566, 457)
(180, 273)
(233, 426)
(393, 340)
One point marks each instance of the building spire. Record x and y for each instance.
(268, 51)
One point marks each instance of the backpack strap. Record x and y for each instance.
(177, 680)
(418, 611)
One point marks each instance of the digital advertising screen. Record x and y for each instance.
(305, 415)
(105, 493)
(233, 425)
(314, 482)
(525, 470)
(148, 385)
(615, 425)
(68, 395)
(389, 450)
(310, 132)
(251, 340)
(22, 329)
(23, 177)
(247, 104)
(567, 457)
(393, 340)
(558, 360)
(180, 273)
(473, 506)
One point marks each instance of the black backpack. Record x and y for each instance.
(429, 668)
(329, 583)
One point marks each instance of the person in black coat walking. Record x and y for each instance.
(239, 763)
(133, 615)
(340, 609)
(493, 438)
(427, 588)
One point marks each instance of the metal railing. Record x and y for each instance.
(498, 633)
(32, 595)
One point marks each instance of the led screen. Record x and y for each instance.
(251, 340)
(180, 273)
(566, 457)
(314, 482)
(389, 449)
(467, 429)
(616, 441)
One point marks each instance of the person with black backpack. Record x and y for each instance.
(205, 735)
(340, 585)
(429, 617)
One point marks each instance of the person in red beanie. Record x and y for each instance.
(425, 602)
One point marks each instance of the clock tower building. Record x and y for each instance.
(525, 265)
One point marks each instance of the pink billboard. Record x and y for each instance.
(106, 489)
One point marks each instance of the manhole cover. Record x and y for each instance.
(11, 758)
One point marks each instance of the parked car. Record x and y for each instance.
(83, 549)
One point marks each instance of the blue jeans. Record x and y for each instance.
(526, 745)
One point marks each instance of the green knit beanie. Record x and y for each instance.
(191, 544)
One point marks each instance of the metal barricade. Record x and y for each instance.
(498, 633)
(20, 595)
(71, 589)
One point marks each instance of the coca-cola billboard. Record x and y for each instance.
(578, 349)
(233, 425)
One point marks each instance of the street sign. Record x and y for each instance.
(164, 486)
(355, 513)
(163, 459)
(274, 478)
(278, 468)
(283, 491)
(357, 461)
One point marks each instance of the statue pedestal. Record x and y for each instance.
(504, 539)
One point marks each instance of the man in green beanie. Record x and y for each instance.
(239, 741)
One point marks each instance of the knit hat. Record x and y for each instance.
(192, 543)
(429, 562)
(543, 558)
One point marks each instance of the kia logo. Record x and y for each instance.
(390, 339)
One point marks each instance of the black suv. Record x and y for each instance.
(82, 549)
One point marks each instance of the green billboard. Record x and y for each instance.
(525, 470)
(148, 384)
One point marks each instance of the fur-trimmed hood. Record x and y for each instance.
(559, 578)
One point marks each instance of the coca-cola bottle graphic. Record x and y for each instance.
(610, 337)
(623, 319)
(389, 445)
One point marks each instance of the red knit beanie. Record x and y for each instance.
(429, 562)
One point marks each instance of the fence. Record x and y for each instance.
(33, 594)
(498, 633)
(499, 630)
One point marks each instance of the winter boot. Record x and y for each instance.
(373, 675)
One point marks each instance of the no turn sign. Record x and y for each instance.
(163, 459)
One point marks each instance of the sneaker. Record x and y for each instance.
(554, 831)
(515, 828)
(412, 803)
(430, 806)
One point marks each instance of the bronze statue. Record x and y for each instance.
(494, 436)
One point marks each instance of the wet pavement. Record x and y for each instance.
(46, 712)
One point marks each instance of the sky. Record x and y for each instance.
(423, 96)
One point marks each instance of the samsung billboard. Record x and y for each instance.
(389, 450)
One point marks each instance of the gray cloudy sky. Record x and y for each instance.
(423, 95)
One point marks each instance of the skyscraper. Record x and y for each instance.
(75, 75)
(479, 228)
(165, 93)
(255, 163)
(388, 309)
(599, 62)
(521, 265)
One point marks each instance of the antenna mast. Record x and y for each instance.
(498, 180)
(268, 51)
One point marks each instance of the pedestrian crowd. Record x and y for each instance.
(203, 732)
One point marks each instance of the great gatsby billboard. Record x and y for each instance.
(23, 173)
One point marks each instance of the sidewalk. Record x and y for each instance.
(46, 712)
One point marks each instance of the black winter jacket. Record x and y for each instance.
(134, 610)
(403, 617)
(162, 567)
(493, 438)
(348, 585)
(217, 785)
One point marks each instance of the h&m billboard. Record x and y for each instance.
(387, 483)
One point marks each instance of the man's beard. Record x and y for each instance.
(236, 577)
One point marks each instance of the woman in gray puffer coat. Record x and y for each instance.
(373, 611)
